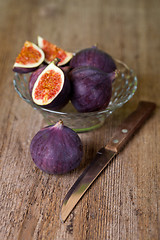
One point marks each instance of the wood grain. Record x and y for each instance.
(123, 203)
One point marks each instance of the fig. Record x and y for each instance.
(35, 74)
(93, 57)
(34, 77)
(29, 58)
(51, 52)
(50, 87)
(56, 149)
(91, 88)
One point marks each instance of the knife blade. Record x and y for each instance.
(103, 157)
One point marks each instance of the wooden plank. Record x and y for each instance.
(123, 203)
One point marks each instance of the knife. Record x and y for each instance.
(103, 157)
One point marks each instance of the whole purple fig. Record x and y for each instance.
(56, 149)
(93, 57)
(91, 88)
(29, 58)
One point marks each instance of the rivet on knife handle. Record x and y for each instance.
(130, 125)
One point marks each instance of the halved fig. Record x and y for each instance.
(33, 78)
(51, 52)
(29, 58)
(51, 89)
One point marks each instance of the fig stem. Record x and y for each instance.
(113, 74)
(61, 121)
(95, 45)
(59, 124)
(56, 61)
(116, 73)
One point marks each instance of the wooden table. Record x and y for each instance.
(123, 203)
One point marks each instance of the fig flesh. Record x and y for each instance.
(50, 87)
(34, 77)
(52, 51)
(91, 88)
(93, 57)
(29, 58)
(56, 149)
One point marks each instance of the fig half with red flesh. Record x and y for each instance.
(51, 89)
(51, 52)
(29, 58)
(37, 72)
(34, 77)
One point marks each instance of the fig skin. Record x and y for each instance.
(24, 70)
(94, 57)
(56, 149)
(62, 98)
(91, 88)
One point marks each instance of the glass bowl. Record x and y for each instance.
(123, 88)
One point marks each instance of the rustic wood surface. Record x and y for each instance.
(123, 203)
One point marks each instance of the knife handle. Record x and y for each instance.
(132, 123)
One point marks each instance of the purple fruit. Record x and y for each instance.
(34, 77)
(91, 88)
(50, 87)
(95, 58)
(56, 149)
(24, 70)
(36, 73)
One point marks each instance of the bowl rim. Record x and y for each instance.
(106, 110)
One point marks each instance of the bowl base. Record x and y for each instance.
(77, 125)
